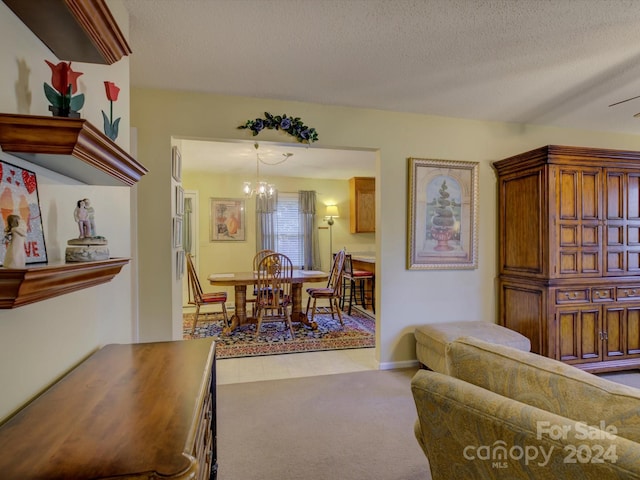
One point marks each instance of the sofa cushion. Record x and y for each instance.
(432, 339)
(468, 432)
(547, 384)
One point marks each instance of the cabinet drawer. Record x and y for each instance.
(604, 294)
(573, 295)
(629, 293)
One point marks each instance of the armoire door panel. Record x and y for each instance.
(633, 196)
(633, 235)
(568, 235)
(522, 224)
(568, 195)
(615, 195)
(589, 334)
(633, 331)
(590, 263)
(589, 195)
(615, 235)
(613, 332)
(568, 335)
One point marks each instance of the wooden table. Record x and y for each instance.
(240, 280)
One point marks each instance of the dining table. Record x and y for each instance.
(240, 281)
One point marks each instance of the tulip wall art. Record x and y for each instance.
(110, 125)
(64, 84)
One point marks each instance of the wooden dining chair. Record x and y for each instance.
(273, 295)
(200, 299)
(332, 292)
(356, 281)
(257, 258)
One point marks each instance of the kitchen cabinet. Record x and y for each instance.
(362, 204)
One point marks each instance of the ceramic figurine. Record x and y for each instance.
(81, 215)
(15, 234)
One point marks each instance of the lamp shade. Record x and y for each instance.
(332, 211)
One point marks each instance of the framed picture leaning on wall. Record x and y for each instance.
(443, 214)
(19, 196)
(227, 222)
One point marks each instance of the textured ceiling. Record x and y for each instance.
(549, 62)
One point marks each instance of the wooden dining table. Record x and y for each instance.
(240, 281)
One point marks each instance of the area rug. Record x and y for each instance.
(274, 338)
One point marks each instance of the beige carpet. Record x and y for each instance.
(350, 426)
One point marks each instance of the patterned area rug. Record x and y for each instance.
(274, 339)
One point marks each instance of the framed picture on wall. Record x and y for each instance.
(180, 264)
(19, 196)
(177, 232)
(443, 214)
(179, 200)
(176, 164)
(227, 222)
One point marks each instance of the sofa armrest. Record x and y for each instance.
(547, 384)
(469, 432)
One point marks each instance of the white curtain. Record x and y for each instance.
(266, 222)
(310, 245)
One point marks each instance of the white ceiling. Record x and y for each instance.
(549, 62)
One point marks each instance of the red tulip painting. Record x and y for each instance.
(61, 94)
(111, 126)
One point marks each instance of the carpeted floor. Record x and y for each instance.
(274, 339)
(351, 426)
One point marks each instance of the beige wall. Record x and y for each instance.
(39, 342)
(405, 298)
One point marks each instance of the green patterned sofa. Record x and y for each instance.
(507, 414)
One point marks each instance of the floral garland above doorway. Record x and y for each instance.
(291, 125)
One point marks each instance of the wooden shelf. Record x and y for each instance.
(20, 287)
(70, 146)
(74, 30)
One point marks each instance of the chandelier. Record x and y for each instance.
(260, 187)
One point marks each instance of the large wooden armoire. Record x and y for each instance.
(569, 254)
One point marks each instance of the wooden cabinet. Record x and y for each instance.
(362, 204)
(129, 411)
(569, 253)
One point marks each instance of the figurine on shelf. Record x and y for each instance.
(92, 221)
(15, 234)
(81, 215)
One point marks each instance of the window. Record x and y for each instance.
(288, 238)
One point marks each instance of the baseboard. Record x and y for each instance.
(396, 365)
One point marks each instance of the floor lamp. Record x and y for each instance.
(330, 214)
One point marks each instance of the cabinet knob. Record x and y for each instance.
(631, 293)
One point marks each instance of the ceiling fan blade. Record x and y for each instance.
(623, 101)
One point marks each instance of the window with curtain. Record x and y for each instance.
(288, 232)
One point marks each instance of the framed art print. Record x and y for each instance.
(176, 164)
(443, 214)
(227, 220)
(19, 196)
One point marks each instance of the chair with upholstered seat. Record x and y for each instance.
(273, 293)
(200, 299)
(332, 292)
(357, 281)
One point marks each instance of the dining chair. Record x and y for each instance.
(357, 281)
(332, 292)
(200, 299)
(273, 294)
(257, 258)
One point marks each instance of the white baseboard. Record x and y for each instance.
(395, 365)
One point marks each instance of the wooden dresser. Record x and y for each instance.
(569, 254)
(129, 411)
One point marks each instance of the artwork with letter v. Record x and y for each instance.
(19, 196)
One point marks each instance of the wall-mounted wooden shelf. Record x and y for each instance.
(74, 30)
(70, 146)
(20, 287)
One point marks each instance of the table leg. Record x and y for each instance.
(297, 315)
(240, 315)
